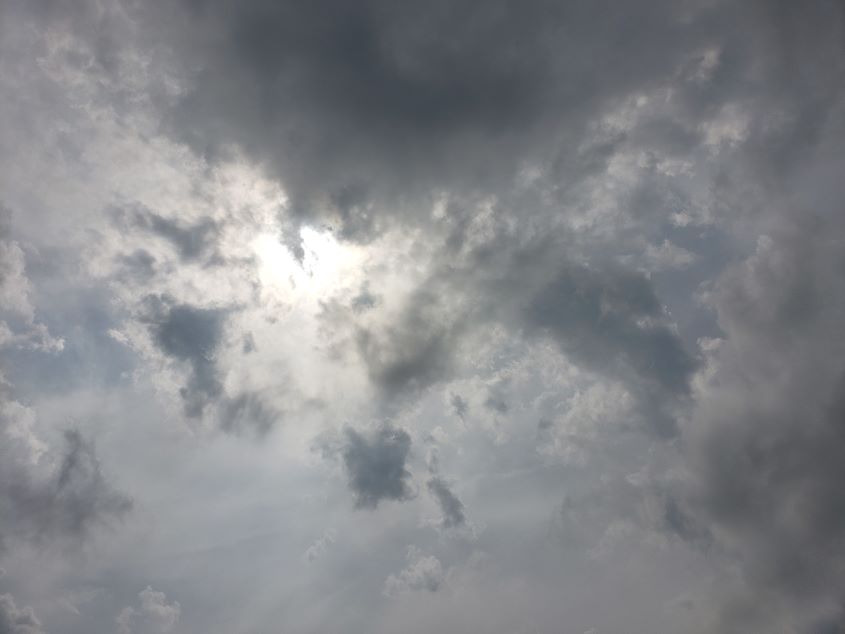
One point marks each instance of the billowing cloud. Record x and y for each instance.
(154, 615)
(613, 322)
(423, 572)
(767, 430)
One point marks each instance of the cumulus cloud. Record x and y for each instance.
(423, 572)
(767, 430)
(154, 615)
(612, 321)
(14, 620)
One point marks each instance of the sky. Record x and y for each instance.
(380, 316)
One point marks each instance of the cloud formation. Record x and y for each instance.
(587, 254)
(14, 620)
(48, 494)
(154, 615)
(451, 507)
(423, 572)
(375, 463)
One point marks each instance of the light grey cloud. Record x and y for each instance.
(50, 494)
(320, 546)
(154, 615)
(423, 572)
(19, 325)
(365, 299)
(459, 406)
(15, 620)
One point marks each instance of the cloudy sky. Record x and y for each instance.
(331, 316)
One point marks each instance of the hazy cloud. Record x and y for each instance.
(423, 572)
(451, 507)
(14, 620)
(50, 494)
(154, 615)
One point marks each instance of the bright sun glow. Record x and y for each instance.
(327, 264)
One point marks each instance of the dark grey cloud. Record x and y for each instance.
(15, 620)
(769, 428)
(604, 317)
(192, 335)
(611, 321)
(450, 505)
(360, 108)
(417, 349)
(190, 241)
(376, 465)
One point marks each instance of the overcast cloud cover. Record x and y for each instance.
(449, 316)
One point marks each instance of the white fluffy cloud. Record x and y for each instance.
(153, 615)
